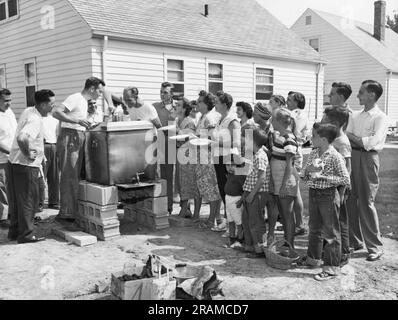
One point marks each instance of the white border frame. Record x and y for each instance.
(12, 18)
(262, 66)
(25, 62)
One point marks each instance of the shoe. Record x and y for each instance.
(225, 235)
(12, 238)
(344, 262)
(303, 263)
(255, 255)
(374, 256)
(4, 224)
(300, 231)
(221, 227)
(177, 199)
(324, 276)
(57, 206)
(236, 245)
(34, 239)
(40, 208)
(357, 248)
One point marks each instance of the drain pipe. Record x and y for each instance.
(103, 69)
(389, 74)
(318, 70)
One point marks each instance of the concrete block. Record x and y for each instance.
(59, 232)
(108, 233)
(101, 212)
(155, 205)
(82, 209)
(176, 221)
(101, 195)
(81, 239)
(82, 195)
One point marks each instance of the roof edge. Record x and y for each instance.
(125, 37)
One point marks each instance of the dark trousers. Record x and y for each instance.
(70, 150)
(23, 199)
(324, 225)
(4, 177)
(222, 176)
(253, 221)
(166, 169)
(51, 173)
(344, 227)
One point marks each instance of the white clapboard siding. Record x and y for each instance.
(346, 61)
(142, 65)
(393, 100)
(63, 59)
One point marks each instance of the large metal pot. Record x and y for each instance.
(116, 151)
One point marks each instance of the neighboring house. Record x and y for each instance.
(235, 46)
(355, 52)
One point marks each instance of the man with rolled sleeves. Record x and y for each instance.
(26, 157)
(8, 125)
(165, 111)
(367, 133)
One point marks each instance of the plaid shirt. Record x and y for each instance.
(334, 170)
(260, 163)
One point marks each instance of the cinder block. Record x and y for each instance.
(101, 212)
(108, 233)
(59, 232)
(101, 195)
(156, 222)
(80, 238)
(160, 189)
(176, 221)
(82, 209)
(82, 196)
(155, 205)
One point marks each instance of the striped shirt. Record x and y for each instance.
(260, 163)
(334, 172)
(283, 144)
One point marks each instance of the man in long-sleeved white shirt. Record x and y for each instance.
(8, 125)
(367, 133)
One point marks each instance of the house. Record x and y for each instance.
(355, 52)
(235, 46)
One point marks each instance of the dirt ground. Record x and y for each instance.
(57, 270)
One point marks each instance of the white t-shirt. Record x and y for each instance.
(146, 112)
(78, 107)
(50, 125)
(31, 123)
(8, 126)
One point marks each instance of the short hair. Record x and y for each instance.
(373, 87)
(326, 130)
(343, 89)
(93, 82)
(247, 108)
(167, 85)
(186, 105)
(278, 99)
(299, 98)
(260, 137)
(337, 115)
(225, 98)
(209, 99)
(285, 117)
(4, 92)
(43, 96)
(134, 90)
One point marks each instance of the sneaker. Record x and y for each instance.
(236, 245)
(225, 235)
(374, 256)
(324, 276)
(221, 227)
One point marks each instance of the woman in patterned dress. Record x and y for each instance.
(186, 170)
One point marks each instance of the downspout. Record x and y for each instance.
(103, 63)
(318, 70)
(389, 74)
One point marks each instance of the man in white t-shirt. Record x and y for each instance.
(73, 113)
(138, 109)
(8, 125)
(26, 158)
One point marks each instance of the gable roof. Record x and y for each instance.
(232, 26)
(361, 34)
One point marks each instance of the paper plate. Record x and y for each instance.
(180, 137)
(167, 128)
(200, 142)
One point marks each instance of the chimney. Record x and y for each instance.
(380, 20)
(206, 10)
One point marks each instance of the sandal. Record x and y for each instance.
(324, 276)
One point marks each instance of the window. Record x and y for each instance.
(314, 43)
(215, 77)
(8, 9)
(175, 75)
(30, 82)
(264, 83)
(308, 20)
(3, 83)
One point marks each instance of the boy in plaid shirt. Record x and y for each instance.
(255, 195)
(324, 172)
